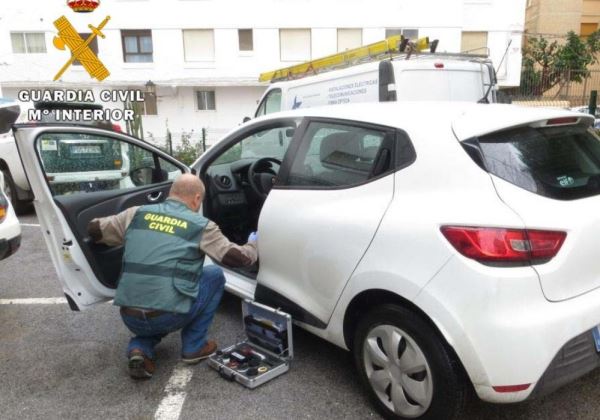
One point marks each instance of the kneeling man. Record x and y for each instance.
(163, 286)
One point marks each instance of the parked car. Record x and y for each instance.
(15, 185)
(446, 256)
(10, 229)
(105, 174)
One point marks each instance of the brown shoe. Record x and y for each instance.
(140, 366)
(209, 349)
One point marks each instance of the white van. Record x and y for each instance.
(437, 77)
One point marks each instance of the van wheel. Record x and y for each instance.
(10, 190)
(408, 370)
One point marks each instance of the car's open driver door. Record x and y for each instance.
(101, 173)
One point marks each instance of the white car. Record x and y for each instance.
(110, 168)
(10, 229)
(446, 253)
(15, 185)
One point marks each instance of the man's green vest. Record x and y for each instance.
(162, 262)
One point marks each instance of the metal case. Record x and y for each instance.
(265, 354)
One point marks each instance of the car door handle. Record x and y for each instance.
(154, 197)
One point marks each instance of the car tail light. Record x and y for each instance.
(562, 121)
(491, 245)
(438, 65)
(117, 128)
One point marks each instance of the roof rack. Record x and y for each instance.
(394, 47)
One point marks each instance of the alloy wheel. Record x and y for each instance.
(398, 371)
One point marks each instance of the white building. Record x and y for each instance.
(204, 56)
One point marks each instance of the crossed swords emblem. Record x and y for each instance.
(68, 36)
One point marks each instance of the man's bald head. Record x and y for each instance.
(189, 189)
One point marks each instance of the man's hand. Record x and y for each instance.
(253, 237)
(94, 231)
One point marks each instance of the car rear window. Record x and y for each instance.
(557, 162)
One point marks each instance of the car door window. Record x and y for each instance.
(335, 155)
(76, 163)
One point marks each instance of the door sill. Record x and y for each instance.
(243, 287)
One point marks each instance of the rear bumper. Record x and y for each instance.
(507, 334)
(9, 246)
(575, 359)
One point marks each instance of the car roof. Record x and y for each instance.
(466, 119)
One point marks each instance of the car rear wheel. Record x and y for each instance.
(10, 190)
(408, 370)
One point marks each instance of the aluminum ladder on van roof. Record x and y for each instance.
(394, 47)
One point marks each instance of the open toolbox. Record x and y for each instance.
(266, 352)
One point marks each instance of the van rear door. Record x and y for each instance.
(437, 80)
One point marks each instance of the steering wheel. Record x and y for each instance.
(261, 177)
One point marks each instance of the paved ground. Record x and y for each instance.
(55, 363)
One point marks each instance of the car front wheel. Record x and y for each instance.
(408, 371)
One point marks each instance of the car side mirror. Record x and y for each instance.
(147, 175)
(9, 113)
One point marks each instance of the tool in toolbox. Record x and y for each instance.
(267, 351)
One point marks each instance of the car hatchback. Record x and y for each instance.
(445, 255)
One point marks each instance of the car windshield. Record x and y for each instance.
(556, 162)
(272, 142)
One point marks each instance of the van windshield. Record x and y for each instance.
(558, 162)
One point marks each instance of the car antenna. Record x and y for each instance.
(485, 100)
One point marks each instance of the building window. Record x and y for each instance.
(294, 44)
(28, 42)
(246, 40)
(475, 42)
(137, 46)
(199, 44)
(92, 45)
(348, 38)
(411, 34)
(206, 100)
(588, 28)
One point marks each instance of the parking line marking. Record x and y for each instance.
(172, 403)
(29, 224)
(34, 301)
